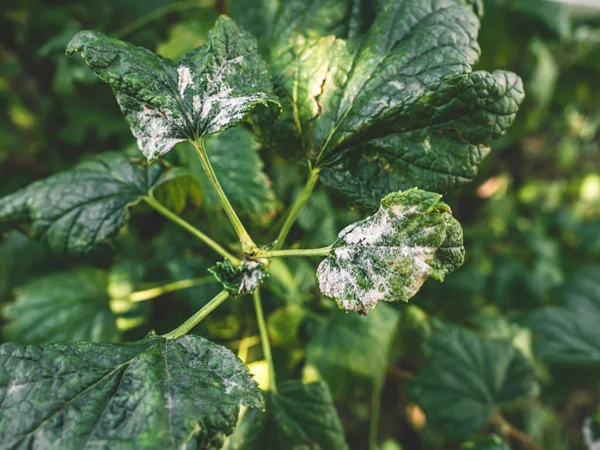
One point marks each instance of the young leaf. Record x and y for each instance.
(397, 107)
(569, 336)
(297, 416)
(166, 101)
(154, 393)
(62, 307)
(77, 210)
(350, 349)
(388, 256)
(237, 164)
(492, 442)
(467, 378)
(242, 280)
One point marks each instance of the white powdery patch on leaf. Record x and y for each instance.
(252, 277)
(185, 79)
(387, 257)
(154, 133)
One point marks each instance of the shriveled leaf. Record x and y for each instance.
(388, 256)
(167, 101)
(396, 107)
(237, 164)
(298, 416)
(492, 442)
(63, 307)
(155, 393)
(349, 349)
(242, 280)
(467, 378)
(570, 336)
(77, 210)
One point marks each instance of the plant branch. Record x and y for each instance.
(377, 389)
(189, 227)
(186, 326)
(509, 430)
(149, 294)
(154, 15)
(264, 338)
(248, 244)
(323, 251)
(296, 207)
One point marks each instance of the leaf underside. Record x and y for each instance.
(388, 256)
(242, 280)
(155, 393)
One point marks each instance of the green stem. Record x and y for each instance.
(375, 415)
(186, 326)
(323, 251)
(149, 294)
(154, 15)
(264, 339)
(248, 244)
(294, 211)
(192, 229)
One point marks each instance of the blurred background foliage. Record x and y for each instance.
(531, 221)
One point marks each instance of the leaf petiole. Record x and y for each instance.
(186, 326)
(189, 227)
(323, 251)
(149, 294)
(248, 245)
(296, 207)
(264, 339)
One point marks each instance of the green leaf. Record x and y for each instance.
(349, 349)
(242, 280)
(66, 306)
(388, 256)
(492, 442)
(397, 107)
(569, 336)
(77, 210)
(237, 164)
(298, 416)
(467, 378)
(155, 393)
(167, 101)
(77, 305)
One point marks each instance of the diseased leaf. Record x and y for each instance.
(167, 101)
(155, 393)
(467, 378)
(570, 336)
(350, 349)
(492, 442)
(77, 210)
(298, 416)
(396, 107)
(237, 164)
(388, 256)
(242, 280)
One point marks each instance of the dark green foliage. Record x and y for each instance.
(299, 415)
(155, 393)
(380, 99)
(77, 210)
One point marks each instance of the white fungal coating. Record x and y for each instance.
(185, 79)
(386, 257)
